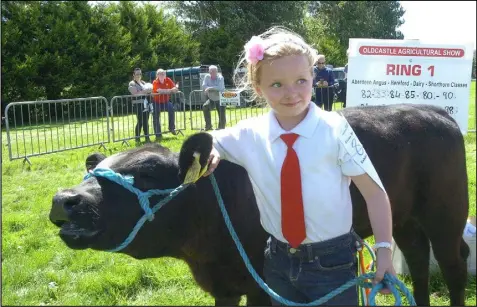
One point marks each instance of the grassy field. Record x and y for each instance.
(38, 269)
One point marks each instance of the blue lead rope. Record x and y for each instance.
(388, 281)
(127, 183)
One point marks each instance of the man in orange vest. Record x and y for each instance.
(164, 86)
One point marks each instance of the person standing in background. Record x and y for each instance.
(164, 86)
(137, 87)
(324, 82)
(212, 85)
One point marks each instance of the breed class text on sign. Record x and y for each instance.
(231, 98)
(382, 72)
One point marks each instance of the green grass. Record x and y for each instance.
(470, 148)
(38, 269)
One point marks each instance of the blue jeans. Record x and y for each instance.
(312, 270)
(156, 120)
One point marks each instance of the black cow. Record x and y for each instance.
(417, 150)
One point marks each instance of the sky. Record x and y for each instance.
(440, 22)
(437, 22)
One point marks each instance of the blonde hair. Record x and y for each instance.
(278, 42)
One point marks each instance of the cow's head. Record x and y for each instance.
(100, 214)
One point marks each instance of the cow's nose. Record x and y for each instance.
(63, 203)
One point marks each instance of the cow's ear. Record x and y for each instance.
(93, 159)
(199, 143)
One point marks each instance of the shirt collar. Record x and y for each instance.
(305, 128)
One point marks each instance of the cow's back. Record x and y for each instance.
(417, 151)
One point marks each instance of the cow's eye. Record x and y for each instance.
(147, 176)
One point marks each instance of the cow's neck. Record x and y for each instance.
(202, 235)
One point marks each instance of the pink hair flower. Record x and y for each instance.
(254, 50)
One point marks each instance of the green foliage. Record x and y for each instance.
(331, 24)
(170, 45)
(223, 27)
(69, 49)
(327, 45)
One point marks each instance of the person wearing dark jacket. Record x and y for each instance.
(324, 84)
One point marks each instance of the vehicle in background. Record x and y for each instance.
(338, 73)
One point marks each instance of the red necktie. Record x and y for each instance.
(293, 217)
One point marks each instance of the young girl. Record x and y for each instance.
(300, 161)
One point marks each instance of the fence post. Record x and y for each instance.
(47, 138)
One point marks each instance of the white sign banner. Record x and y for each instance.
(231, 98)
(382, 72)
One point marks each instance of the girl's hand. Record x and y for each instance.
(214, 160)
(384, 264)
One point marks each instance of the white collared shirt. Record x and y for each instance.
(325, 168)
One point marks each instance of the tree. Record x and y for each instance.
(223, 27)
(105, 69)
(68, 49)
(18, 63)
(45, 49)
(338, 21)
(170, 45)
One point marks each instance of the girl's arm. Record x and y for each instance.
(229, 144)
(356, 164)
(379, 207)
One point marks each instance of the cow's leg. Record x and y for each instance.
(451, 253)
(414, 245)
(258, 298)
(227, 301)
(444, 207)
(446, 214)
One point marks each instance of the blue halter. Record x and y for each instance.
(388, 281)
(127, 183)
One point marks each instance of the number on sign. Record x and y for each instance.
(394, 94)
(366, 94)
(427, 95)
(410, 94)
(431, 69)
(450, 110)
(448, 95)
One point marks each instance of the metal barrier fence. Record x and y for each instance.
(36, 128)
(136, 116)
(327, 96)
(40, 127)
(206, 114)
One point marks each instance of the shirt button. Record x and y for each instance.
(292, 250)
